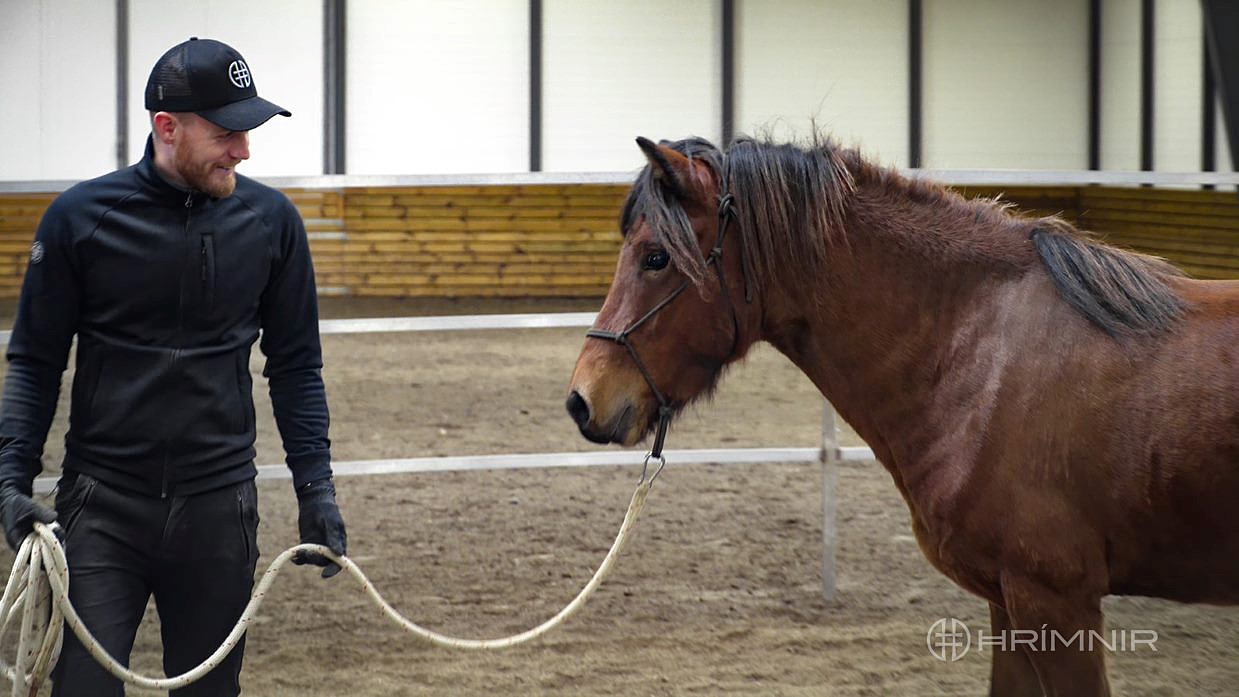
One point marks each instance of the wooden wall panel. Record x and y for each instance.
(561, 240)
(1196, 230)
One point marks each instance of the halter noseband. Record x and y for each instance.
(726, 213)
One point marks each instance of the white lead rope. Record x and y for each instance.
(33, 591)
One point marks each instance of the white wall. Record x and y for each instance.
(613, 71)
(1005, 84)
(1120, 85)
(282, 43)
(437, 87)
(57, 89)
(842, 64)
(1178, 79)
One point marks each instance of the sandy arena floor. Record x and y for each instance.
(718, 592)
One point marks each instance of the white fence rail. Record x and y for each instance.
(830, 454)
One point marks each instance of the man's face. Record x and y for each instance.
(206, 155)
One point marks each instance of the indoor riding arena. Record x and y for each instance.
(460, 260)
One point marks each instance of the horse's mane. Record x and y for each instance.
(792, 202)
(1121, 292)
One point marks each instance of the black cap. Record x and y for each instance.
(212, 80)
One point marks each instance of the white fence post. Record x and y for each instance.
(830, 510)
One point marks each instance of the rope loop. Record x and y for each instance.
(37, 598)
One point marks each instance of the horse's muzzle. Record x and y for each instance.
(579, 409)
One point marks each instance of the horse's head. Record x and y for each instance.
(676, 312)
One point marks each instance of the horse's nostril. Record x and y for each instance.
(578, 409)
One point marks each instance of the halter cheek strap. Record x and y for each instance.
(726, 214)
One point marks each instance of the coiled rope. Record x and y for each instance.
(39, 585)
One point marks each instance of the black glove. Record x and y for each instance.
(19, 513)
(320, 523)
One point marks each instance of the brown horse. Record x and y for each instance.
(1061, 417)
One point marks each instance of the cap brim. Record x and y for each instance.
(245, 115)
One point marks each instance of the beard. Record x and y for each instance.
(203, 176)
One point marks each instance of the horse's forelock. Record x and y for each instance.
(656, 203)
(791, 201)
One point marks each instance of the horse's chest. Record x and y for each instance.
(958, 544)
(950, 552)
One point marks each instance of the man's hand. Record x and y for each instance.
(320, 523)
(19, 513)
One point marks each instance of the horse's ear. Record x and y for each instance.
(674, 169)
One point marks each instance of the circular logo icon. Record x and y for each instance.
(239, 74)
(948, 639)
(36, 252)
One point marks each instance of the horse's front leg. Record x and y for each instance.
(1068, 661)
(1011, 671)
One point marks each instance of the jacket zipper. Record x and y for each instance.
(176, 352)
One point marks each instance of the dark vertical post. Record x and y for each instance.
(1208, 106)
(535, 85)
(914, 83)
(1146, 85)
(1094, 84)
(122, 83)
(334, 83)
(729, 71)
(1222, 39)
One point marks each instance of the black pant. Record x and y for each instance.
(196, 554)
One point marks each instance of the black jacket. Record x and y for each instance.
(166, 291)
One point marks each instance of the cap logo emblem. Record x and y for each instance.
(36, 252)
(239, 74)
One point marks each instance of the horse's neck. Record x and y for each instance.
(903, 330)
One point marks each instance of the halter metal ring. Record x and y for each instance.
(662, 462)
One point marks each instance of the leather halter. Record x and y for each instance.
(726, 213)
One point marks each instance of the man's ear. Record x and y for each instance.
(686, 178)
(164, 127)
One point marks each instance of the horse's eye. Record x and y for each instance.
(656, 260)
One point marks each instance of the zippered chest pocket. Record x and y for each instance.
(233, 270)
(207, 275)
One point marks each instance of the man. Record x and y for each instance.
(166, 271)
